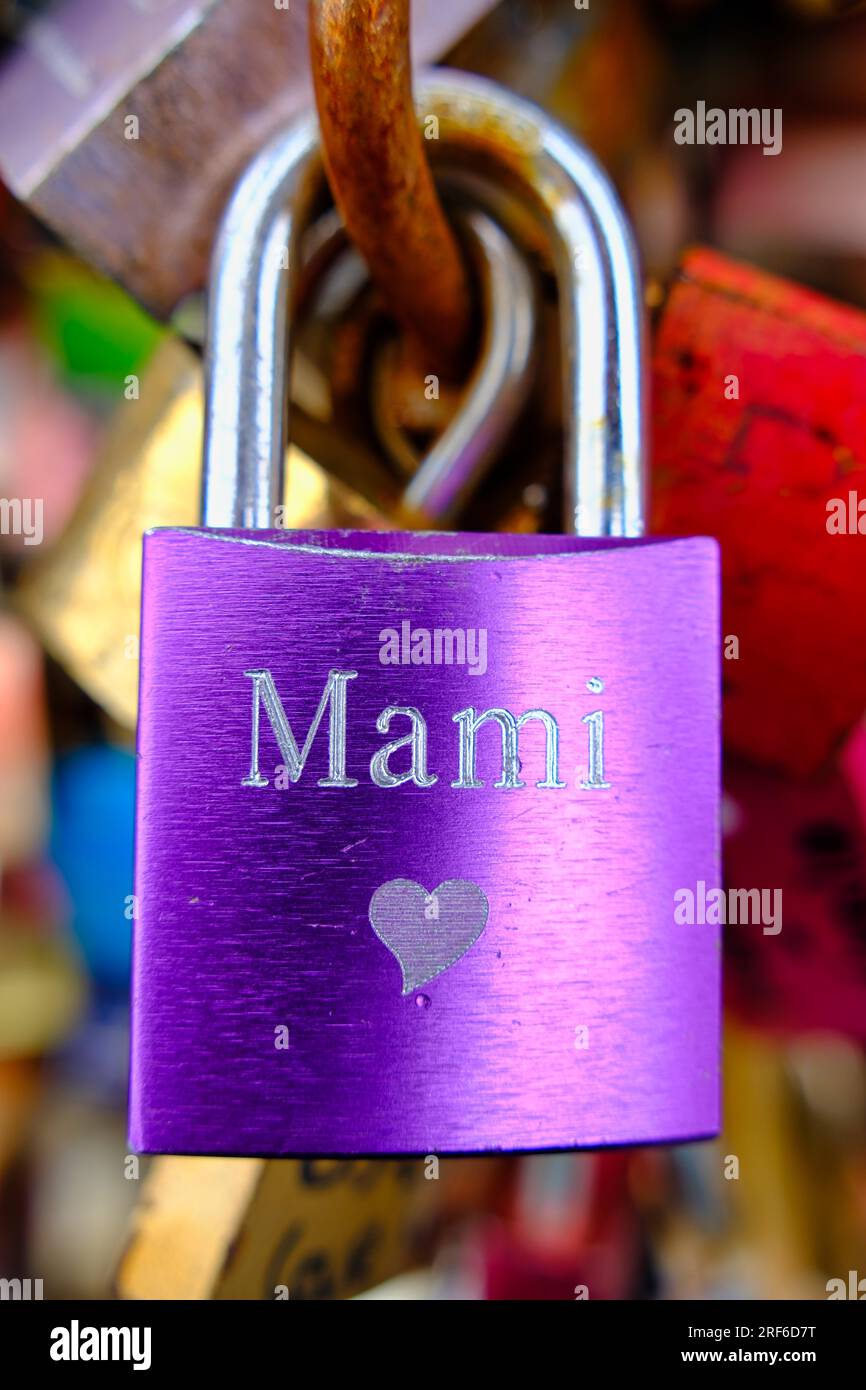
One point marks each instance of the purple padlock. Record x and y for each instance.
(415, 810)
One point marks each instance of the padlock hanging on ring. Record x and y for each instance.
(600, 309)
(555, 1002)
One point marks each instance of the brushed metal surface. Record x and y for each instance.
(253, 902)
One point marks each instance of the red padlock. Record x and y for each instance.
(803, 966)
(759, 425)
(572, 1231)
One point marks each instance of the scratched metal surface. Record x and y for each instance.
(253, 902)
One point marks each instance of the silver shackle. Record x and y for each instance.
(252, 282)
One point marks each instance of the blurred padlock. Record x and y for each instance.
(759, 422)
(771, 1242)
(23, 744)
(372, 384)
(42, 989)
(83, 598)
(571, 1233)
(801, 966)
(114, 121)
(209, 1228)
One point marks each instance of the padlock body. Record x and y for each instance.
(346, 948)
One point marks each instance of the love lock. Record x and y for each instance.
(414, 809)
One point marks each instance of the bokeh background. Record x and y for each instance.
(100, 417)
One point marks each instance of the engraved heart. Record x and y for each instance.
(427, 932)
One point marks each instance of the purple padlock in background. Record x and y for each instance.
(414, 809)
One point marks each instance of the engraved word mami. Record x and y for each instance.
(415, 740)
